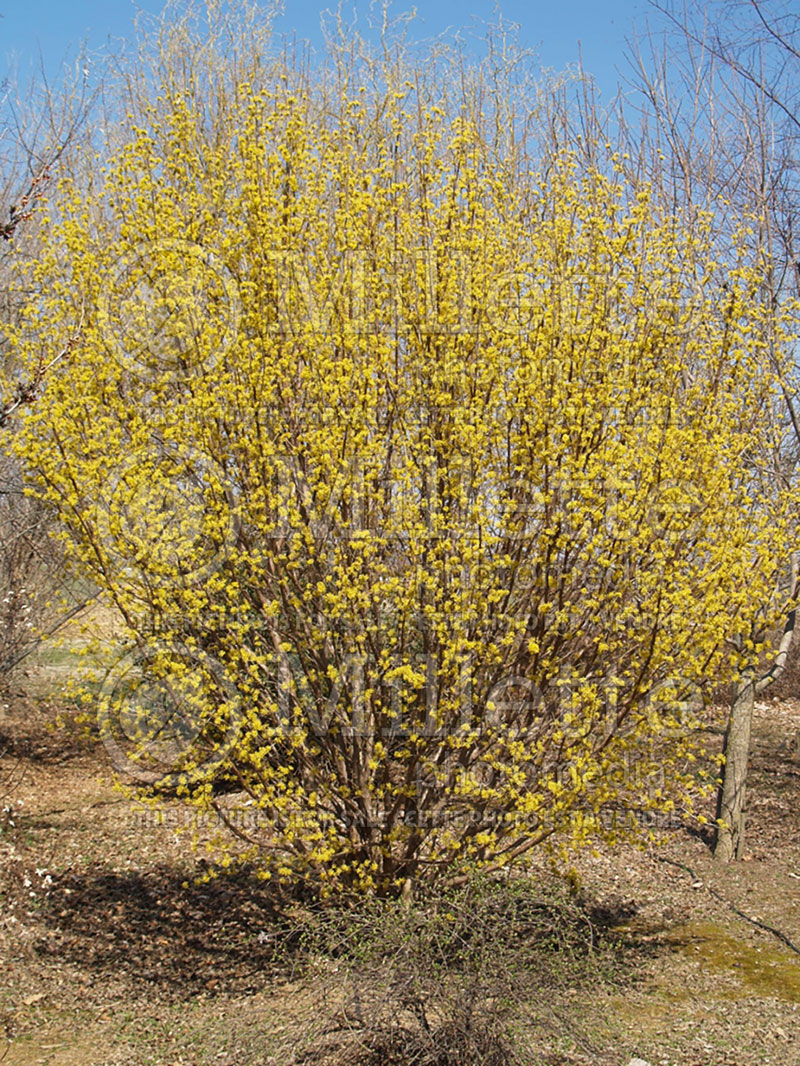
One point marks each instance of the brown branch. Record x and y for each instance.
(779, 666)
(27, 391)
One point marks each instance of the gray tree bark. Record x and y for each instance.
(729, 843)
(731, 796)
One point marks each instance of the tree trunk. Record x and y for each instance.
(731, 795)
(729, 842)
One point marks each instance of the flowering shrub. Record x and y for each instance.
(417, 457)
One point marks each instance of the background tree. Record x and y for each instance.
(414, 451)
(40, 130)
(724, 96)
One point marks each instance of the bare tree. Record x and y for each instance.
(40, 131)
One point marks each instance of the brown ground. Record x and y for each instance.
(110, 959)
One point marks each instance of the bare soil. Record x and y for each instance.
(114, 955)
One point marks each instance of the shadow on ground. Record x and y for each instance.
(225, 936)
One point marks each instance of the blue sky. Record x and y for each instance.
(553, 28)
